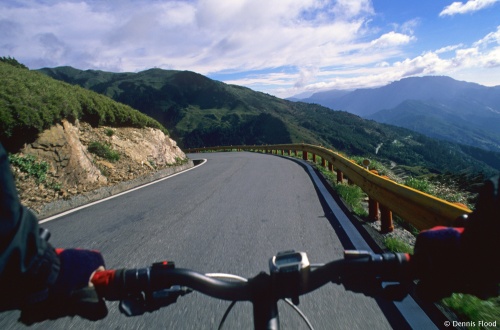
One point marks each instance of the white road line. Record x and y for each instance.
(119, 194)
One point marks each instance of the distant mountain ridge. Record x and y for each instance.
(436, 106)
(199, 112)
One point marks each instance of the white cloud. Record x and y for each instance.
(448, 48)
(327, 44)
(204, 36)
(391, 39)
(490, 38)
(479, 62)
(349, 8)
(467, 7)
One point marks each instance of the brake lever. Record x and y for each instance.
(140, 303)
(362, 275)
(376, 289)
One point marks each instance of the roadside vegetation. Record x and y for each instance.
(471, 308)
(104, 151)
(450, 193)
(29, 166)
(396, 245)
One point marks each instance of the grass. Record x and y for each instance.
(104, 151)
(471, 308)
(418, 184)
(397, 245)
(450, 194)
(353, 196)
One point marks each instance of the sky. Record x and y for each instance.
(280, 47)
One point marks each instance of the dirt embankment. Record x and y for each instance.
(82, 159)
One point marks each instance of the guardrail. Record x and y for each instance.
(385, 196)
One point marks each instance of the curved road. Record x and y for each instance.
(229, 215)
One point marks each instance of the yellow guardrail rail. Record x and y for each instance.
(420, 209)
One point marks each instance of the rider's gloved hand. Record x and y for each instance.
(42, 282)
(438, 260)
(465, 259)
(72, 293)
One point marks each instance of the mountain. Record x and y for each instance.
(439, 107)
(199, 111)
(437, 120)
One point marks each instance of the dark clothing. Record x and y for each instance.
(28, 264)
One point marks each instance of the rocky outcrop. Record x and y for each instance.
(74, 170)
(69, 161)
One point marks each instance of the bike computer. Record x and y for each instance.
(288, 262)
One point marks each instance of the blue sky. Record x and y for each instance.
(281, 47)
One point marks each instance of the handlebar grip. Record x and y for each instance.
(364, 272)
(120, 283)
(386, 266)
(110, 283)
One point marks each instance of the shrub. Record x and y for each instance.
(104, 151)
(31, 102)
(29, 165)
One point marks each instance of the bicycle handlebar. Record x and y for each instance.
(160, 284)
(387, 267)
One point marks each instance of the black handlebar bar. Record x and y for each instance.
(359, 271)
(356, 265)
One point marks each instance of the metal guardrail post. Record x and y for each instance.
(323, 162)
(314, 158)
(373, 210)
(386, 225)
(304, 155)
(373, 206)
(340, 176)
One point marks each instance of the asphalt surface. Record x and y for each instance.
(229, 215)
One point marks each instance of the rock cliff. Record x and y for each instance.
(80, 158)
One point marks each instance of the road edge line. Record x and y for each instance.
(204, 161)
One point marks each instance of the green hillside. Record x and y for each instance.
(199, 112)
(31, 102)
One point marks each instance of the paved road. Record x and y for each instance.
(229, 215)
